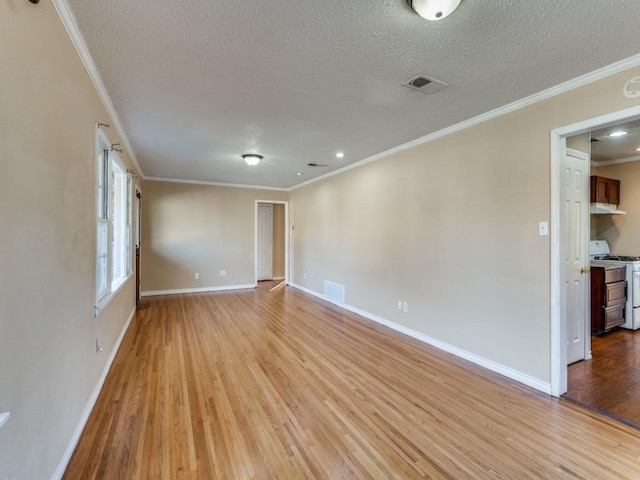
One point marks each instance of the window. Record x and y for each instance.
(113, 222)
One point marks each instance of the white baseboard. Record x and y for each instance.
(196, 290)
(62, 466)
(278, 278)
(508, 372)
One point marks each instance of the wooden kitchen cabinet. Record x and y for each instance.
(608, 298)
(605, 190)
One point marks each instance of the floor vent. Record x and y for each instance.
(333, 291)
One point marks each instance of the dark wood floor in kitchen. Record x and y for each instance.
(610, 382)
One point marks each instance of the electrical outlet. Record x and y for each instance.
(405, 307)
(223, 273)
(399, 304)
(196, 276)
(304, 276)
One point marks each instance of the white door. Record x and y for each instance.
(265, 241)
(575, 246)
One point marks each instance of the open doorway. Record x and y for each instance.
(603, 377)
(272, 241)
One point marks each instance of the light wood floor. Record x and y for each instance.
(278, 385)
(610, 381)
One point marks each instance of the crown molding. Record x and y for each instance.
(215, 184)
(567, 86)
(69, 22)
(615, 161)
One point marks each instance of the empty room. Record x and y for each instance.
(300, 240)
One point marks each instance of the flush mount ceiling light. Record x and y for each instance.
(619, 133)
(433, 9)
(252, 159)
(340, 155)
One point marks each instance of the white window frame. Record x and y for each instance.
(113, 222)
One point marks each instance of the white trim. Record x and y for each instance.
(286, 239)
(215, 184)
(70, 24)
(102, 304)
(558, 333)
(558, 324)
(196, 290)
(66, 456)
(458, 352)
(616, 161)
(567, 86)
(597, 122)
(278, 278)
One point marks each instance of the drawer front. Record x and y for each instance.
(615, 275)
(613, 316)
(615, 293)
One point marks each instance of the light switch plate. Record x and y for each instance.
(543, 228)
(4, 416)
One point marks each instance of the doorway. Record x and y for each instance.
(271, 241)
(562, 232)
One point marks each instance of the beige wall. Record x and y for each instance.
(622, 232)
(191, 228)
(48, 360)
(451, 227)
(278, 240)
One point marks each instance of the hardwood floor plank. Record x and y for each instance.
(610, 381)
(279, 385)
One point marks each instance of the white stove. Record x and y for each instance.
(601, 257)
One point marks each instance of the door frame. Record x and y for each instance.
(286, 239)
(558, 299)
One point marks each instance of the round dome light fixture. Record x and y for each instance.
(433, 9)
(252, 159)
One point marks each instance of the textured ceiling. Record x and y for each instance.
(604, 147)
(197, 84)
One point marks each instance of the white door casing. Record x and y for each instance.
(574, 246)
(265, 241)
(558, 287)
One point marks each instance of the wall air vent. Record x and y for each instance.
(425, 84)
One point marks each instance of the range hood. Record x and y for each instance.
(605, 209)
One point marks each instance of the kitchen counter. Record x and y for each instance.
(605, 264)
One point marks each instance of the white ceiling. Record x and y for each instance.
(605, 148)
(198, 83)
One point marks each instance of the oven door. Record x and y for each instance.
(635, 289)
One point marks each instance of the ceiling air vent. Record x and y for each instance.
(425, 84)
(317, 165)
